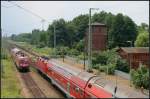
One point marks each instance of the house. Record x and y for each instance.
(135, 55)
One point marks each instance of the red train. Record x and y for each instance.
(22, 61)
(73, 82)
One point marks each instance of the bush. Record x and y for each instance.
(111, 68)
(40, 45)
(81, 56)
(73, 52)
(99, 58)
(4, 54)
(122, 65)
(105, 61)
(102, 68)
(96, 66)
(140, 77)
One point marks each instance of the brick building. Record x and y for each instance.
(135, 55)
(99, 36)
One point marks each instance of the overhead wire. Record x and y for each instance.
(7, 6)
(43, 19)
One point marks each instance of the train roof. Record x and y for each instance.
(15, 50)
(122, 91)
(73, 71)
(69, 69)
(99, 81)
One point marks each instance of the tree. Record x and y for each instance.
(144, 26)
(60, 31)
(142, 40)
(81, 24)
(35, 36)
(71, 33)
(13, 36)
(80, 46)
(99, 17)
(123, 30)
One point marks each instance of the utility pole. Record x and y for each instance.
(89, 69)
(54, 39)
(130, 61)
(43, 24)
(89, 44)
(84, 52)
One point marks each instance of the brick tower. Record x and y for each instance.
(99, 36)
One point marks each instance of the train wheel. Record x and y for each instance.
(39, 71)
(28, 69)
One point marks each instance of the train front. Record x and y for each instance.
(24, 63)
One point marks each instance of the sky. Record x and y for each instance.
(15, 20)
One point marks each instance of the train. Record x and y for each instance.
(75, 83)
(21, 60)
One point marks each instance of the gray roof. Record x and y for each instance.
(135, 49)
(96, 23)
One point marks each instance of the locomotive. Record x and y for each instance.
(22, 61)
(75, 83)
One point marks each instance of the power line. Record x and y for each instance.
(29, 11)
(7, 6)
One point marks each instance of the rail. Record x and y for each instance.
(32, 86)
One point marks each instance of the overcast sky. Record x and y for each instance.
(15, 20)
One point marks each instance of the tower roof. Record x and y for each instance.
(97, 23)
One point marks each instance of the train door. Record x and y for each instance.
(68, 89)
(77, 92)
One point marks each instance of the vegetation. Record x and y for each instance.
(108, 61)
(142, 40)
(140, 77)
(122, 65)
(71, 33)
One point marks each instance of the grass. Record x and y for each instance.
(10, 87)
(46, 51)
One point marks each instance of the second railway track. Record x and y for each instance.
(32, 86)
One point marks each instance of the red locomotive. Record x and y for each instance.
(73, 82)
(22, 61)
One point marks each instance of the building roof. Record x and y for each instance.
(97, 23)
(135, 49)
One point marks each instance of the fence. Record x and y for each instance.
(76, 60)
(117, 72)
(122, 74)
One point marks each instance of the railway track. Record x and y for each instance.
(32, 86)
(30, 83)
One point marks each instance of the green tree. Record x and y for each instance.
(61, 33)
(81, 24)
(123, 30)
(142, 40)
(35, 36)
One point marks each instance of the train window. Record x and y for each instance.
(81, 92)
(77, 89)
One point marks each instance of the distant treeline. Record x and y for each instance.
(121, 30)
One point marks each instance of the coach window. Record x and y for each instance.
(81, 92)
(77, 89)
